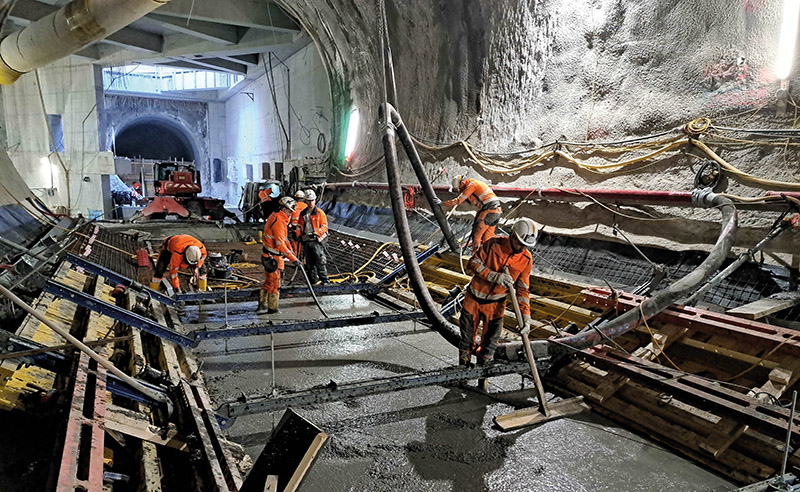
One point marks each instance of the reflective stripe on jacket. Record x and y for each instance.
(177, 246)
(476, 192)
(313, 222)
(297, 211)
(276, 240)
(493, 255)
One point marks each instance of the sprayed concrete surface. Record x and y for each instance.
(436, 438)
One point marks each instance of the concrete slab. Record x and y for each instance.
(433, 439)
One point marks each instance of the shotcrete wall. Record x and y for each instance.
(511, 74)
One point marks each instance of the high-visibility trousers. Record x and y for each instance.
(484, 226)
(481, 324)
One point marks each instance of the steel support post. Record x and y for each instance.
(120, 314)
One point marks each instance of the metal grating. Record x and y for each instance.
(112, 250)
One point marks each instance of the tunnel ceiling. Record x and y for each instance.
(153, 140)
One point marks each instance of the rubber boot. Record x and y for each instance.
(202, 284)
(483, 383)
(465, 362)
(272, 302)
(262, 302)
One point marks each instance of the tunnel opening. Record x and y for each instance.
(153, 139)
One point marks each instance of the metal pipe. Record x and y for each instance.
(66, 31)
(22, 249)
(441, 325)
(416, 164)
(85, 349)
(743, 258)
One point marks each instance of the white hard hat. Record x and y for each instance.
(310, 195)
(456, 182)
(300, 195)
(288, 202)
(192, 255)
(525, 231)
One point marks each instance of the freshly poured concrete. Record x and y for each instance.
(432, 439)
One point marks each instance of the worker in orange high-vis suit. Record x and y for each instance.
(481, 319)
(314, 226)
(181, 251)
(479, 194)
(265, 197)
(294, 224)
(275, 248)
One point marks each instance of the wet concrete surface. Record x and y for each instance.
(434, 439)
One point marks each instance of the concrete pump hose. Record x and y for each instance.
(160, 398)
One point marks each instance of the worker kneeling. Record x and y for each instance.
(313, 225)
(485, 299)
(275, 248)
(181, 251)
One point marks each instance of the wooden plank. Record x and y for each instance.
(766, 306)
(137, 425)
(532, 416)
(272, 483)
(151, 469)
(305, 463)
(664, 337)
(169, 358)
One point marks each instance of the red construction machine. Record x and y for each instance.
(177, 185)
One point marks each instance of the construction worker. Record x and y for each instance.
(275, 248)
(485, 297)
(265, 196)
(294, 224)
(479, 194)
(314, 226)
(181, 251)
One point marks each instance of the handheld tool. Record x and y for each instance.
(545, 411)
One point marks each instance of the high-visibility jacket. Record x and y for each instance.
(263, 195)
(177, 246)
(493, 256)
(476, 192)
(313, 222)
(276, 238)
(297, 211)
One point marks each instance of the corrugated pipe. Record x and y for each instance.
(66, 31)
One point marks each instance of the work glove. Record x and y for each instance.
(526, 324)
(500, 278)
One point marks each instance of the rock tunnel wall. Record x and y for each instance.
(509, 74)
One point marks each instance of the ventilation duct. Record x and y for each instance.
(66, 31)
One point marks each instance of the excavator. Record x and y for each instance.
(177, 185)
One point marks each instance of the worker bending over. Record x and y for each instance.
(275, 248)
(479, 194)
(265, 197)
(181, 251)
(481, 318)
(314, 226)
(294, 224)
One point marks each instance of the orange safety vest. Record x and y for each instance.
(313, 222)
(297, 211)
(177, 246)
(276, 238)
(476, 192)
(494, 255)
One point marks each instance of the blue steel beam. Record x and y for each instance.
(240, 294)
(258, 329)
(117, 313)
(118, 278)
(399, 271)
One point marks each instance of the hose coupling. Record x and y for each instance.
(703, 197)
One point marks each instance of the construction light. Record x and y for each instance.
(352, 134)
(783, 63)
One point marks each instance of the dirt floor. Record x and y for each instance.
(435, 438)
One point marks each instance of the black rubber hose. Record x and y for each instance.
(416, 164)
(449, 331)
(659, 301)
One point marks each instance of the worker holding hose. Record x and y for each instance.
(181, 251)
(480, 195)
(294, 227)
(313, 225)
(481, 319)
(275, 248)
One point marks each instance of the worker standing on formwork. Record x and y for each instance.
(481, 195)
(485, 298)
(294, 225)
(181, 251)
(314, 226)
(275, 248)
